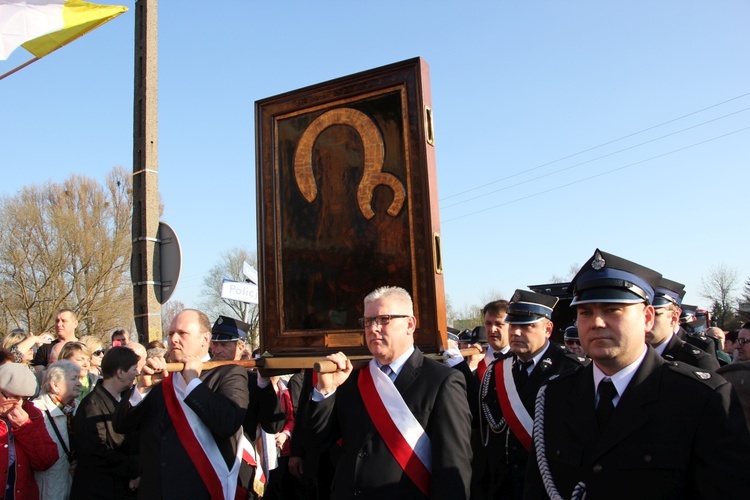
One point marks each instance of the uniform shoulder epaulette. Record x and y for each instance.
(581, 360)
(564, 374)
(692, 351)
(693, 373)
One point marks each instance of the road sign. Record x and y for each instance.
(237, 290)
(250, 272)
(170, 260)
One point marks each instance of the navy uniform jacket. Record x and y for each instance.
(436, 396)
(675, 433)
(679, 350)
(166, 469)
(505, 454)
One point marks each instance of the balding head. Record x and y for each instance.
(140, 351)
(54, 353)
(717, 333)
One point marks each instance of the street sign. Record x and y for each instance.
(237, 290)
(170, 260)
(250, 273)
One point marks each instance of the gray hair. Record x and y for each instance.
(394, 293)
(156, 352)
(58, 371)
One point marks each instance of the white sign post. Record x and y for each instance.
(237, 290)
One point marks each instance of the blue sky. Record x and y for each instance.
(560, 126)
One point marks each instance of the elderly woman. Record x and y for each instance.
(25, 444)
(80, 354)
(97, 353)
(60, 388)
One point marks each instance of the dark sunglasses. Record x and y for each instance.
(572, 342)
(99, 352)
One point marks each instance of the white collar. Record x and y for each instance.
(620, 379)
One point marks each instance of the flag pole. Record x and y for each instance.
(19, 68)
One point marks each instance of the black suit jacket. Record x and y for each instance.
(167, 470)
(436, 395)
(679, 350)
(506, 455)
(674, 434)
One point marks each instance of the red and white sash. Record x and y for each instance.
(514, 412)
(200, 445)
(487, 360)
(401, 432)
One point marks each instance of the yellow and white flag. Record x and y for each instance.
(43, 26)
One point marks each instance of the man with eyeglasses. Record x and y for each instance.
(572, 341)
(403, 419)
(632, 424)
(662, 336)
(741, 344)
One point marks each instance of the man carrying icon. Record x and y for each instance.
(403, 419)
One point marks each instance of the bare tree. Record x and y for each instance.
(229, 267)
(67, 245)
(572, 271)
(718, 287)
(168, 312)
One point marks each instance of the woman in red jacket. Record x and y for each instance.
(31, 447)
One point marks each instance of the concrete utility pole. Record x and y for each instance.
(144, 266)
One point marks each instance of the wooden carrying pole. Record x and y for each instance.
(293, 363)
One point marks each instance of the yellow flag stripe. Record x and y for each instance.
(79, 18)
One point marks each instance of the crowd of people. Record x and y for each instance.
(642, 399)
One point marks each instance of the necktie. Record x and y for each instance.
(604, 409)
(387, 370)
(522, 367)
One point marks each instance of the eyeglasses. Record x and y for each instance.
(742, 342)
(381, 320)
(13, 396)
(98, 352)
(572, 342)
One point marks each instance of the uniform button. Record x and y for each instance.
(164, 464)
(164, 438)
(357, 493)
(597, 468)
(558, 453)
(5, 446)
(362, 454)
(647, 458)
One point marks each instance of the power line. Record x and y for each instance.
(595, 147)
(598, 175)
(594, 159)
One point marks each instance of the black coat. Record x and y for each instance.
(436, 395)
(675, 433)
(506, 456)
(166, 469)
(679, 350)
(107, 460)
